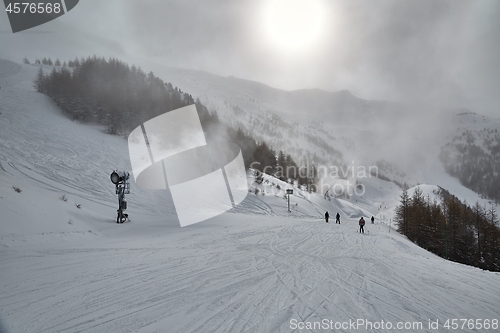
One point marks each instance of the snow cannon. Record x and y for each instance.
(121, 179)
(119, 176)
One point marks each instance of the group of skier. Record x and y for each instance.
(337, 218)
(361, 221)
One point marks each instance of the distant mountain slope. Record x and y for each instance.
(256, 97)
(302, 122)
(332, 128)
(473, 154)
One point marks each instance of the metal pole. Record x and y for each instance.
(121, 196)
(288, 195)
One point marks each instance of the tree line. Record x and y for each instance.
(450, 228)
(122, 97)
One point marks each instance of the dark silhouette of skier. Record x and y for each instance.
(373, 219)
(327, 216)
(361, 225)
(338, 218)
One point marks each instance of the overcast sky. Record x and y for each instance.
(437, 51)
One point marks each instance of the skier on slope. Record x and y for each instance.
(361, 225)
(338, 218)
(327, 216)
(373, 219)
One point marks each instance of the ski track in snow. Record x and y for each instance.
(254, 278)
(249, 270)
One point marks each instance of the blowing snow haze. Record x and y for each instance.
(443, 53)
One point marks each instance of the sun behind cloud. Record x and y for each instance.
(293, 25)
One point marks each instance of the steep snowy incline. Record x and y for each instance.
(47, 156)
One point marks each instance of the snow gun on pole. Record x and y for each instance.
(121, 179)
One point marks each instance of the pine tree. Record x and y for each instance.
(26, 61)
(492, 215)
(39, 81)
(415, 216)
(281, 166)
(57, 62)
(478, 221)
(291, 168)
(401, 217)
(312, 177)
(453, 215)
(266, 156)
(244, 141)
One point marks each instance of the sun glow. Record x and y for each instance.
(294, 25)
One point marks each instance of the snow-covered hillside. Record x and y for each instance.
(472, 153)
(333, 127)
(315, 126)
(257, 268)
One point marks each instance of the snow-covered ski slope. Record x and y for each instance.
(255, 269)
(243, 274)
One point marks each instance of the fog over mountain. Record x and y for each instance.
(312, 120)
(440, 52)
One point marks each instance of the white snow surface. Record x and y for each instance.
(257, 268)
